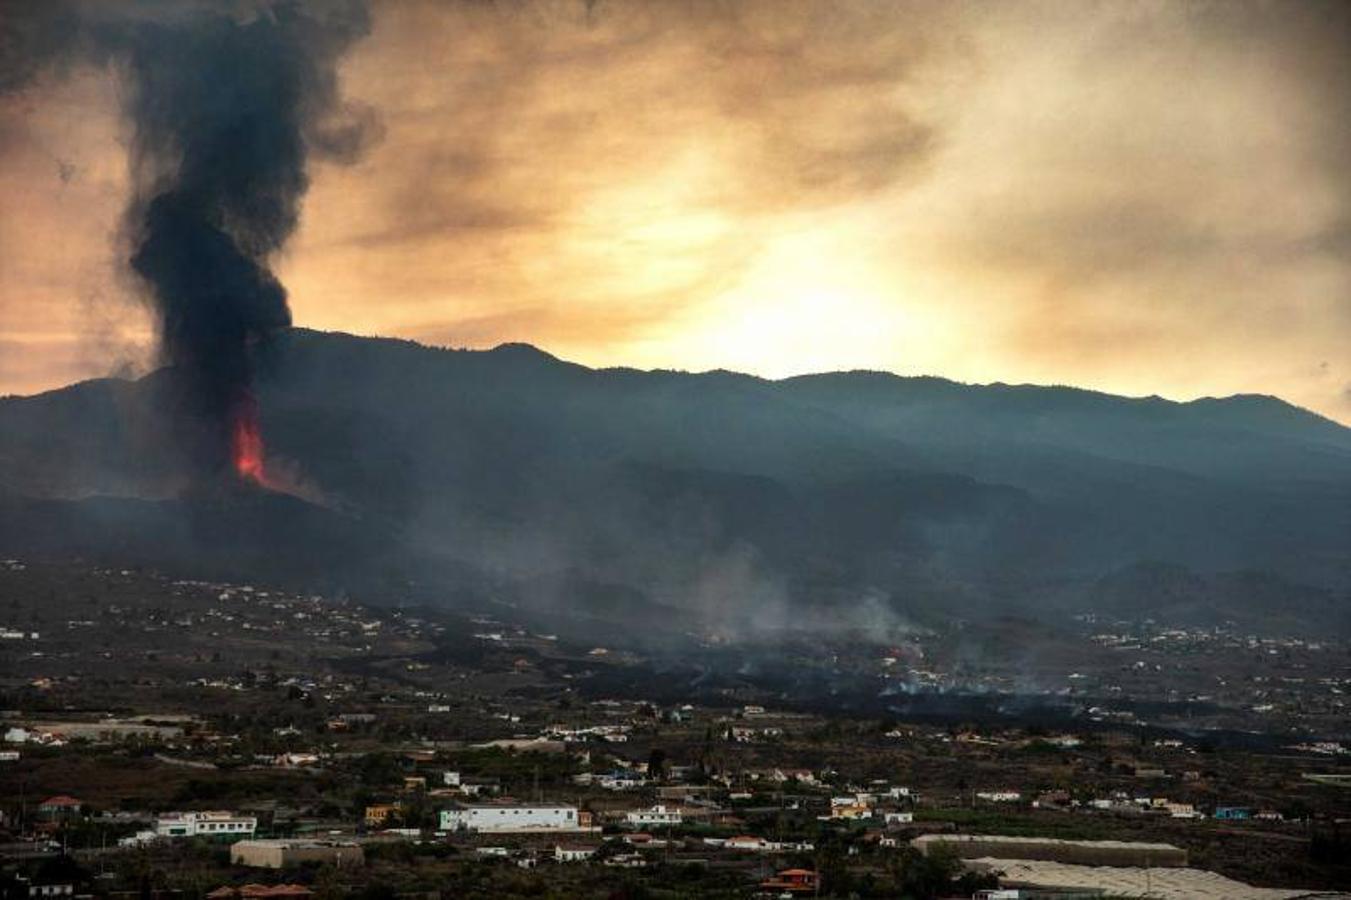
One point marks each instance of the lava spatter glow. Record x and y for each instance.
(246, 439)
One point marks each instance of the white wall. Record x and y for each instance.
(509, 818)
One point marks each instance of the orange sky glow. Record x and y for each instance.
(1143, 198)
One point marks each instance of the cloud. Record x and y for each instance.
(1147, 198)
(1143, 198)
(616, 163)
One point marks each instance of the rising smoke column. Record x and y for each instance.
(227, 104)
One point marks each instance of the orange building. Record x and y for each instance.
(793, 881)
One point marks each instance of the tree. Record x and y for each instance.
(378, 890)
(656, 764)
(834, 870)
(925, 876)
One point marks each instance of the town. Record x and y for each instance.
(189, 738)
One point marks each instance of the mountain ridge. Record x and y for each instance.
(534, 349)
(525, 349)
(720, 492)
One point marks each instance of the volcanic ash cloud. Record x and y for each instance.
(228, 104)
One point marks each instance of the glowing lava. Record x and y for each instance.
(246, 443)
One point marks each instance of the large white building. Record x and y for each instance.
(499, 818)
(205, 824)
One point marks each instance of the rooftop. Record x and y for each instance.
(296, 843)
(1009, 839)
(1128, 881)
(260, 890)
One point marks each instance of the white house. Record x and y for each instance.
(619, 780)
(897, 817)
(139, 839)
(511, 817)
(565, 853)
(656, 816)
(747, 842)
(205, 824)
(779, 776)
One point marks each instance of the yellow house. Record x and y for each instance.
(381, 813)
(851, 811)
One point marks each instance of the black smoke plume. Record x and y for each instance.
(228, 103)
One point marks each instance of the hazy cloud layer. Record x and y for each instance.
(1138, 197)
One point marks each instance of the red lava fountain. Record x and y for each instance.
(246, 443)
(249, 460)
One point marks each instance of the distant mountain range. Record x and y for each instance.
(716, 500)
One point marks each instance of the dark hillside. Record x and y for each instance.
(716, 493)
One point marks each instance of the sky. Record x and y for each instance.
(1136, 197)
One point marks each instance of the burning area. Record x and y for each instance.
(246, 441)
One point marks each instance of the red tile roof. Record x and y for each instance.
(258, 891)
